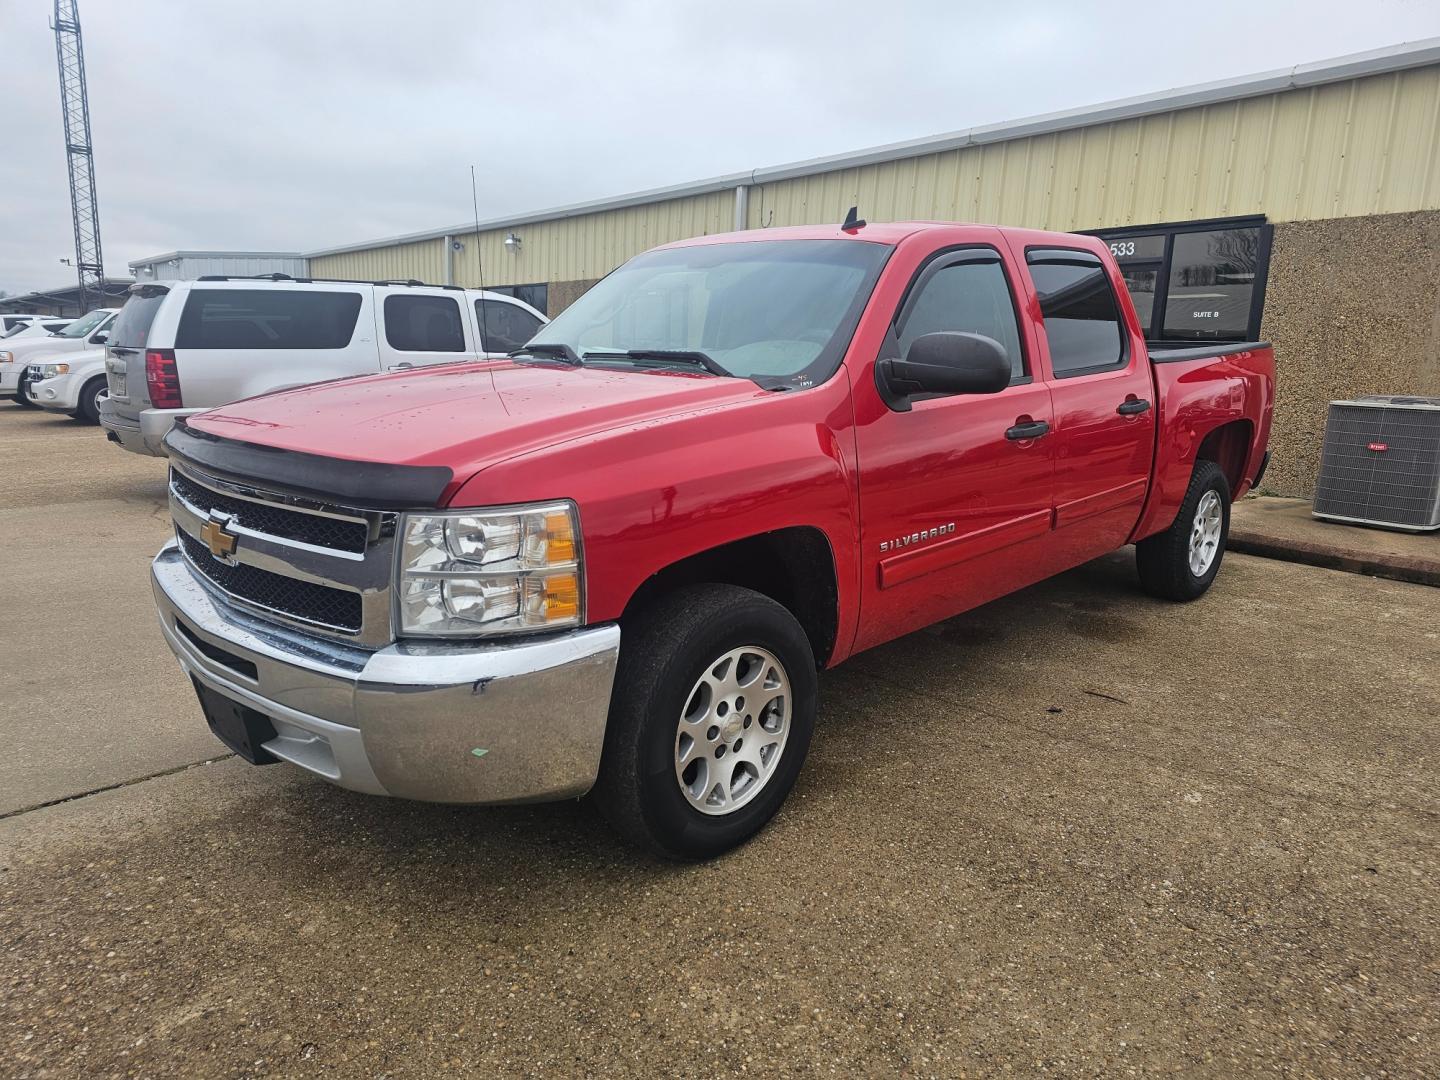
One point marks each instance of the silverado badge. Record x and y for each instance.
(220, 542)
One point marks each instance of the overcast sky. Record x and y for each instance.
(290, 126)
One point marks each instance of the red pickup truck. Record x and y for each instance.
(614, 562)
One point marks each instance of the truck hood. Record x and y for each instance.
(464, 416)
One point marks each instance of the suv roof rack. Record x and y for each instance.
(412, 282)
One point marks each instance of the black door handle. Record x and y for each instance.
(1133, 407)
(1032, 430)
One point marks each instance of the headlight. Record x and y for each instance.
(49, 371)
(500, 571)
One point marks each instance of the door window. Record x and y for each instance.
(972, 297)
(424, 324)
(504, 327)
(1082, 320)
(266, 319)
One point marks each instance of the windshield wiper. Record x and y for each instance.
(556, 351)
(682, 356)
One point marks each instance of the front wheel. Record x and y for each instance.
(710, 721)
(1181, 562)
(91, 394)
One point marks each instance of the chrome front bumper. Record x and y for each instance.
(522, 721)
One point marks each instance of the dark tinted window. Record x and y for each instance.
(133, 323)
(972, 297)
(1082, 322)
(1212, 281)
(1141, 284)
(504, 327)
(424, 324)
(537, 296)
(266, 319)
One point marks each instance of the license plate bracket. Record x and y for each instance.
(239, 727)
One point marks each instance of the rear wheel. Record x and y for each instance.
(1181, 562)
(91, 394)
(710, 721)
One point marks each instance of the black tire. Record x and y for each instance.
(89, 408)
(664, 650)
(1163, 560)
(22, 400)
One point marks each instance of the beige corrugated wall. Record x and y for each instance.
(1347, 149)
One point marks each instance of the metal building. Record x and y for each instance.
(188, 265)
(1302, 205)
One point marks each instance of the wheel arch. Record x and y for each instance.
(794, 566)
(1228, 445)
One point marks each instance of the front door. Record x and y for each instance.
(955, 493)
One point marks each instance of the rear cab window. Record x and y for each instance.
(423, 323)
(1079, 311)
(296, 319)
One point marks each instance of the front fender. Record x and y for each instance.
(657, 492)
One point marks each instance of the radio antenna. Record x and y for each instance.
(479, 248)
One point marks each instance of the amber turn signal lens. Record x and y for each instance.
(559, 539)
(562, 596)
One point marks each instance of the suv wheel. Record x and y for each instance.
(710, 720)
(91, 395)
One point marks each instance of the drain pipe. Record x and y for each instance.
(449, 260)
(742, 206)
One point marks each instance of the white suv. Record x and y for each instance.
(86, 332)
(185, 346)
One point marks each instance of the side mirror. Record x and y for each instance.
(949, 362)
(100, 338)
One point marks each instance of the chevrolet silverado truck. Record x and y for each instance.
(614, 562)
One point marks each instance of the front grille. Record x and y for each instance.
(327, 532)
(27, 376)
(1381, 463)
(302, 600)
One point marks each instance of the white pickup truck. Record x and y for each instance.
(182, 347)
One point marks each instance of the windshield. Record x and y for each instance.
(780, 312)
(82, 326)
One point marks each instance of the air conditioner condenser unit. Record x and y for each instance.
(1381, 463)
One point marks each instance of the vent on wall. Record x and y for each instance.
(1381, 463)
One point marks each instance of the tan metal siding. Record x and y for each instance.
(423, 261)
(1358, 147)
(1352, 148)
(592, 245)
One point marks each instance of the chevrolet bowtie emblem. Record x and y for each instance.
(220, 542)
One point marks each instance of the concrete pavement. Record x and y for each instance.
(1077, 831)
(1285, 529)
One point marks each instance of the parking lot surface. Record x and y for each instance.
(1077, 831)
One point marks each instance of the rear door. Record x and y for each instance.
(235, 339)
(1100, 385)
(417, 327)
